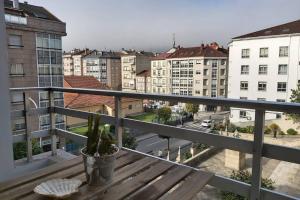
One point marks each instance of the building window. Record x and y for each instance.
(223, 62)
(262, 86)
(204, 92)
(198, 81)
(197, 91)
(263, 69)
(283, 51)
(243, 98)
(244, 85)
(222, 92)
(222, 82)
(261, 99)
(15, 41)
(205, 81)
(198, 72)
(282, 69)
(16, 69)
(263, 52)
(280, 100)
(222, 72)
(19, 124)
(130, 107)
(206, 62)
(243, 114)
(281, 87)
(245, 69)
(205, 72)
(245, 53)
(17, 98)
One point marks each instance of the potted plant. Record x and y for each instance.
(99, 155)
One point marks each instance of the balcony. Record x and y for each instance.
(148, 177)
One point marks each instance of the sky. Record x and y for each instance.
(150, 24)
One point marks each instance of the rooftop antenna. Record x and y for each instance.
(174, 41)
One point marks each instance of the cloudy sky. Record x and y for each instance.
(149, 24)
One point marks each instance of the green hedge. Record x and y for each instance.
(292, 131)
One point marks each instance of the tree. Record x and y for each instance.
(245, 176)
(20, 149)
(129, 141)
(192, 108)
(275, 129)
(164, 113)
(295, 98)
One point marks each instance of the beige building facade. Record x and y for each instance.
(105, 66)
(132, 64)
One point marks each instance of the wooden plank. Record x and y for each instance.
(136, 182)
(160, 187)
(39, 173)
(120, 174)
(45, 172)
(87, 192)
(127, 159)
(191, 186)
(28, 187)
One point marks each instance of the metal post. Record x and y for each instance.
(257, 154)
(28, 128)
(52, 125)
(118, 117)
(6, 140)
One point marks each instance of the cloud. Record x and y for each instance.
(149, 25)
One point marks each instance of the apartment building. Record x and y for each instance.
(35, 58)
(105, 66)
(73, 61)
(264, 65)
(160, 74)
(199, 71)
(143, 82)
(132, 64)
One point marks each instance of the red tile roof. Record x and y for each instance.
(288, 28)
(161, 56)
(202, 51)
(86, 100)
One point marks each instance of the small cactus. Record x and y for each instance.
(107, 142)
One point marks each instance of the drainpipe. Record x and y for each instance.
(6, 139)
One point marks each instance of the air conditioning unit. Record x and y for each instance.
(249, 118)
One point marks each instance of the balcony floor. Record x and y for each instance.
(136, 177)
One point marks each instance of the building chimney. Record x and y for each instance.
(16, 4)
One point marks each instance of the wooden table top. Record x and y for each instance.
(137, 177)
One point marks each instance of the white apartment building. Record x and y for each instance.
(199, 71)
(160, 74)
(132, 64)
(105, 66)
(264, 65)
(73, 62)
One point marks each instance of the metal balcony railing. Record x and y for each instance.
(257, 147)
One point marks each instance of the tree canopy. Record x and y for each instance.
(295, 98)
(164, 114)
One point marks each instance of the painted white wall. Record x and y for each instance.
(272, 77)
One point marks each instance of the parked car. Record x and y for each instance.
(206, 123)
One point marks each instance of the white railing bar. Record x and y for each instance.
(275, 195)
(238, 103)
(35, 134)
(251, 104)
(21, 113)
(52, 124)
(191, 135)
(257, 154)
(83, 114)
(118, 118)
(79, 139)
